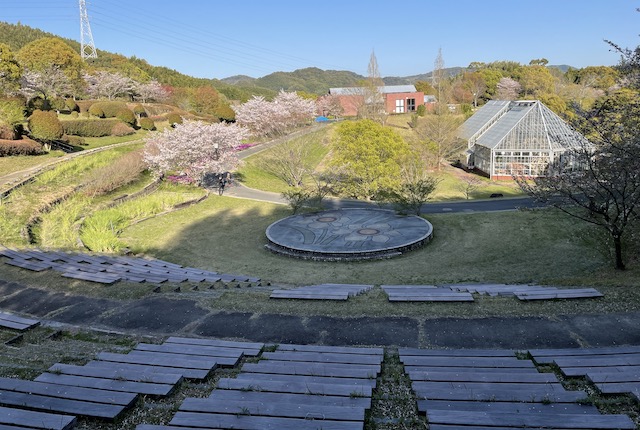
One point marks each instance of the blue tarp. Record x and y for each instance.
(322, 119)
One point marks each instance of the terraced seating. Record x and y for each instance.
(108, 270)
(298, 387)
(20, 419)
(528, 292)
(493, 389)
(425, 293)
(64, 399)
(322, 292)
(15, 322)
(614, 370)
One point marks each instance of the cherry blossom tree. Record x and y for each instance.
(103, 84)
(194, 148)
(297, 110)
(48, 84)
(151, 90)
(329, 105)
(264, 118)
(508, 89)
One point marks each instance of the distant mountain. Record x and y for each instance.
(311, 80)
(238, 79)
(410, 80)
(562, 67)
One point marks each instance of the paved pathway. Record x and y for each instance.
(181, 314)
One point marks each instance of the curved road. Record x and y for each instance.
(465, 206)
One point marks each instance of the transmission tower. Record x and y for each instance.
(87, 47)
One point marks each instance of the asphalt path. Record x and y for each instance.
(466, 206)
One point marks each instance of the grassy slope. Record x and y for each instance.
(451, 186)
(253, 176)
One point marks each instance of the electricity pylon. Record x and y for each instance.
(87, 47)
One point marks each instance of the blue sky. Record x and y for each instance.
(217, 39)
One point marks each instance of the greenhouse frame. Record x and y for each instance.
(516, 138)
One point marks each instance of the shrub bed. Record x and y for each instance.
(122, 129)
(110, 109)
(90, 127)
(20, 147)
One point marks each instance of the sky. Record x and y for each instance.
(219, 39)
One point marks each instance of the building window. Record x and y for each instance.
(411, 105)
(399, 106)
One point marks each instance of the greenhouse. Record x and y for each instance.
(516, 138)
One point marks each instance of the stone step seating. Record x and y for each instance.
(15, 322)
(296, 387)
(64, 399)
(105, 388)
(528, 292)
(322, 292)
(425, 293)
(613, 370)
(20, 419)
(111, 269)
(493, 389)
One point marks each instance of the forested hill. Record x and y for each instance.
(17, 35)
(310, 80)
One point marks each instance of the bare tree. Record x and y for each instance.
(289, 162)
(437, 135)
(600, 184)
(469, 184)
(373, 102)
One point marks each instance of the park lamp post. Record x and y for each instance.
(216, 152)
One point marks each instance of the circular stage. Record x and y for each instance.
(348, 234)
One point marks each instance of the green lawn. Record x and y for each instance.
(228, 235)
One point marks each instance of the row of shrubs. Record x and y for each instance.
(20, 147)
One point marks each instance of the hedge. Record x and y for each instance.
(20, 147)
(110, 109)
(89, 127)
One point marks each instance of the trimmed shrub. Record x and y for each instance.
(74, 140)
(225, 113)
(127, 116)
(8, 132)
(96, 110)
(421, 110)
(122, 129)
(45, 126)
(174, 119)
(84, 105)
(110, 109)
(71, 105)
(74, 114)
(58, 104)
(89, 127)
(147, 124)
(139, 110)
(20, 147)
